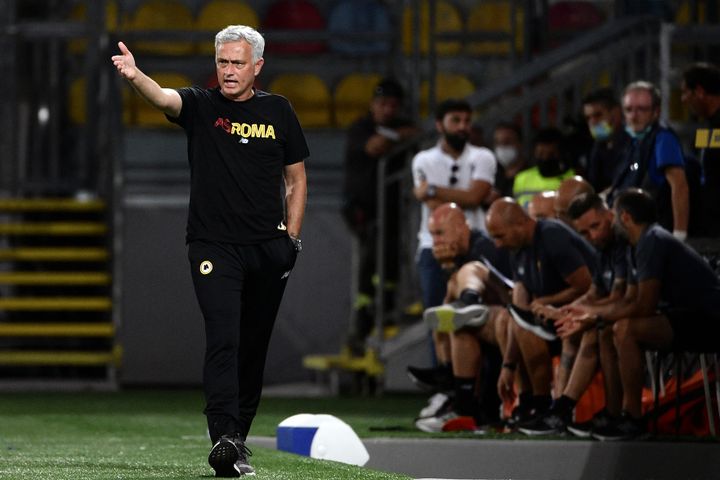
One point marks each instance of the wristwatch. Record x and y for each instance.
(297, 243)
(431, 191)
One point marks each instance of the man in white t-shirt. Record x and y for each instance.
(451, 171)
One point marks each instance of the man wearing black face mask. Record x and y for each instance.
(451, 171)
(551, 167)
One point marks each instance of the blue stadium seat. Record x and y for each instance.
(359, 16)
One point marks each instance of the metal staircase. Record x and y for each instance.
(56, 322)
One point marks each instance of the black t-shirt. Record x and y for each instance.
(710, 160)
(237, 153)
(606, 159)
(556, 252)
(686, 280)
(360, 182)
(482, 247)
(613, 265)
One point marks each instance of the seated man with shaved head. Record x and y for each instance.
(593, 220)
(566, 193)
(552, 265)
(471, 313)
(542, 205)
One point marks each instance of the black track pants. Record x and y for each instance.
(239, 289)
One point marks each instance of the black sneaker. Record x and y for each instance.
(435, 379)
(544, 329)
(228, 457)
(585, 429)
(519, 415)
(455, 315)
(548, 423)
(622, 428)
(242, 464)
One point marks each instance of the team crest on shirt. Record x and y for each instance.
(246, 130)
(206, 267)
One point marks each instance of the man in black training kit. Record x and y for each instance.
(242, 144)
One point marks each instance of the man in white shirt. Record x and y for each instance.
(451, 171)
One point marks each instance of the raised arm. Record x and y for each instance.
(166, 100)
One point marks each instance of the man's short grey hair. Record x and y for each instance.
(649, 87)
(236, 33)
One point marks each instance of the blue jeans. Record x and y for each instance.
(433, 281)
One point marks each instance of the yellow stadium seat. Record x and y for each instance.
(113, 20)
(352, 97)
(77, 104)
(447, 85)
(447, 20)
(162, 15)
(218, 14)
(683, 13)
(146, 116)
(308, 95)
(494, 17)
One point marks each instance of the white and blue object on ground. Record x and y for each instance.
(323, 437)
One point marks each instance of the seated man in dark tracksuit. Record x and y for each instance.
(471, 312)
(592, 219)
(552, 267)
(677, 305)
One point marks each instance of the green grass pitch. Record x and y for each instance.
(161, 434)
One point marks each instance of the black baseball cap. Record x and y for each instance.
(388, 87)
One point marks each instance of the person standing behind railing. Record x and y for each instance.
(451, 171)
(700, 90)
(653, 159)
(369, 138)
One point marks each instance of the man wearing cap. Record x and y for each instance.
(368, 139)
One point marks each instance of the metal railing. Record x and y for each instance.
(552, 85)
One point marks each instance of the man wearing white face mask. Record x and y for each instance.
(507, 145)
(603, 115)
(653, 160)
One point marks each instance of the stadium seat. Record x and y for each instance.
(359, 16)
(294, 15)
(567, 19)
(447, 85)
(146, 116)
(218, 14)
(309, 96)
(162, 16)
(494, 17)
(352, 97)
(113, 20)
(683, 15)
(77, 102)
(447, 20)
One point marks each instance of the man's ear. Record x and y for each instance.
(625, 217)
(258, 66)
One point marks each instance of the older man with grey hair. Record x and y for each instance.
(243, 241)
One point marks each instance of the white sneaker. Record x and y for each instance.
(435, 424)
(453, 316)
(435, 404)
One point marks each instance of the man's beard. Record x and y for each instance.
(456, 141)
